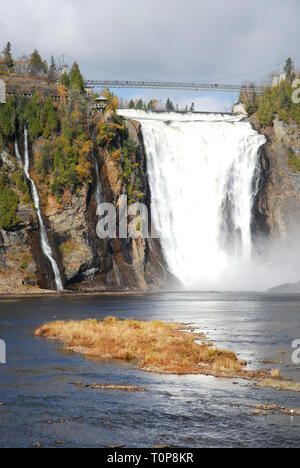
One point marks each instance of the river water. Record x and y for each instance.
(41, 404)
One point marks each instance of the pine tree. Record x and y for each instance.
(8, 118)
(36, 64)
(49, 116)
(65, 80)
(289, 67)
(8, 60)
(131, 104)
(140, 105)
(76, 78)
(169, 105)
(52, 74)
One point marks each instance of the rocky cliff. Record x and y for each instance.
(86, 262)
(277, 205)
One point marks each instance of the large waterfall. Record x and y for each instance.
(36, 200)
(203, 171)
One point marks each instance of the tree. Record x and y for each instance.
(32, 116)
(289, 67)
(192, 108)
(36, 65)
(76, 78)
(8, 60)
(8, 118)
(152, 104)
(169, 105)
(131, 104)
(22, 65)
(49, 117)
(52, 73)
(140, 105)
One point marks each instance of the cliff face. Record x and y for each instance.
(91, 263)
(86, 262)
(277, 205)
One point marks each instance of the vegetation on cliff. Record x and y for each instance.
(277, 102)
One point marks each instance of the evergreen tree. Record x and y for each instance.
(32, 115)
(50, 118)
(8, 60)
(192, 108)
(8, 204)
(169, 105)
(65, 80)
(131, 104)
(8, 118)
(289, 67)
(140, 105)
(36, 65)
(76, 79)
(52, 73)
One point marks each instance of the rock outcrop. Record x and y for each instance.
(277, 205)
(92, 264)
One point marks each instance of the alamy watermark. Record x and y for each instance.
(296, 353)
(2, 352)
(125, 221)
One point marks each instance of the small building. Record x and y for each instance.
(100, 103)
(64, 70)
(2, 92)
(89, 92)
(240, 109)
(277, 79)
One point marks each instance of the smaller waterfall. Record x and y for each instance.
(17, 152)
(36, 200)
(98, 181)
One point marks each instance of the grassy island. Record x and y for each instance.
(154, 346)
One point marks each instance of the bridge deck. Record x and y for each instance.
(172, 85)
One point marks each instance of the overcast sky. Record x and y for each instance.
(191, 40)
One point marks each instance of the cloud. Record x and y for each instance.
(207, 40)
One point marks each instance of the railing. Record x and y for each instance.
(172, 85)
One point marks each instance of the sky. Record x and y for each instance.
(217, 41)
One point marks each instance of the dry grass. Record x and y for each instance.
(284, 385)
(153, 346)
(276, 374)
(122, 388)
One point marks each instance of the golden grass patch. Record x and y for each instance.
(154, 346)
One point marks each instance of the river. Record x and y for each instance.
(41, 404)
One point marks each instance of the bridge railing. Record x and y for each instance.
(173, 85)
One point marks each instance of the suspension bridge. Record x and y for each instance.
(173, 85)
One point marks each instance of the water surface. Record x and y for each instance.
(180, 411)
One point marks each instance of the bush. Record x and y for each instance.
(8, 205)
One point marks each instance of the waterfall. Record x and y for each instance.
(202, 171)
(17, 153)
(36, 200)
(98, 181)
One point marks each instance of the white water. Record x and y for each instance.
(36, 200)
(202, 170)
(17, 152)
